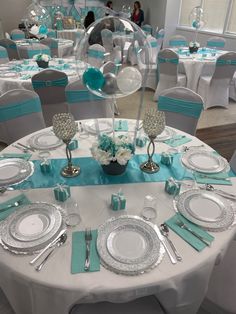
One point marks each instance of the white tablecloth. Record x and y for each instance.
(180, 288)
(67, 34)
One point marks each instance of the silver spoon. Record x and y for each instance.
(165, 231)
(61, 241)
(210, 187)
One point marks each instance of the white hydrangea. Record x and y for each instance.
(123, 156)
(100, 155)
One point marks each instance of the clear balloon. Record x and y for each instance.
(197, 18)
(37, 15)
(129, 80)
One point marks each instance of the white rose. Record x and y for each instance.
(123, 156)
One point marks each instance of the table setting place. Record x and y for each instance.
(194, 179)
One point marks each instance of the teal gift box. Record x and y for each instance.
(141, 141)
(61, 192)
(172, 187)
(73, 145)
(167, 159)
(118, 201)
(46, 167)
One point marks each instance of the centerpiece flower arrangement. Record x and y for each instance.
(42, 60)
(113, 153)
(193, 46)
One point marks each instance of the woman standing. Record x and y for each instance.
(137, 16)
(89, 19)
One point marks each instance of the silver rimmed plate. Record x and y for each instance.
(204, 161)
(167, 134)
(31, 227)
(206, 209)
(15, 170)
(44, 141)
(129, 245)
(105, 126)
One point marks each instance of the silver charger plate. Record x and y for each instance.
(204, 161)
(129, 245)
(206, 209)
(14, 171)
(167, 134)
(44, 141)
(105, 126)
(31, 228)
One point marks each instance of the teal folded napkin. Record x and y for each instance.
(221, 178)
(5, 211)
(25, 156)
(196, 243)
(79, 253)
(178, 140)
(121, 125)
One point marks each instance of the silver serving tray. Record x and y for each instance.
(167, 134)
(31, 228)
(129, 245)
(206, 209)
(14, 171)
(44, 141)
(204, 161)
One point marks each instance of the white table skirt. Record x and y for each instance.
(180, 288)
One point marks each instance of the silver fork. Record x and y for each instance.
(88, 239)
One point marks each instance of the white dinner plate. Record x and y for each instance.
(167, 134)
(104, 126)
(45, 141)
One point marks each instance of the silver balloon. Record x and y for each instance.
(110, 86)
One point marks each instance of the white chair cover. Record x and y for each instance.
(52, 44)
(215, 89)
(7, 36)
(50, 85)
(178, 41)
(11, 47)
(20, 114)
(147, 29)
(107, 40)
(3, 55)
(215, 42)
(96, 55)
(168, 76)
(154, 49)
(183, 114)
(160, 37)
(156, 32)
(27, 52)
(17, 34)
(83, 104)
(147, 305)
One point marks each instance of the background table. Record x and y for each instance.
(180, 288)
(68, 34)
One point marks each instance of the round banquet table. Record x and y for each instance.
(180, 288)
(21, 79)
(68, 34)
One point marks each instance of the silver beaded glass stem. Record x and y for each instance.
(65, 128)
(153, 125)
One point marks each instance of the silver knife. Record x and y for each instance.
(163, 241)
(26, 147)
(48, 246)
(221, 193)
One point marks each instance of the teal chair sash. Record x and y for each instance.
(185, 107)
(3, 54)
(17, 36)
(96, 54)
(153, 44)
(33, 52)
(159, 35)
(59, 82)
(52, 34)
(54, 45)
(219, 44)
(168, 60)
(225, 62)
(16, 110)
(176, 43)
(147, 30)
(75, 96)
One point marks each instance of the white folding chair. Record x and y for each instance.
(52, 43)
(215, 89)
(17, 34)
(28, 52)
(167, 71)
(83, 104)
(147, 29)
(160, 37)
(178, 41)
(216, 42)
(182, 108)
(50, 85)
(3, 55)
(20, 114)
(96, 55)
(11, 48)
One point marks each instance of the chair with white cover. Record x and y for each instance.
(11, 48)
(3, 55)
(167, 71)
(156, 32)
(7, 36)
(20, 114)
(50, 85)
(215, 89)
(83, 104)
(182, 108)
(107, 40)
(17, 34)
(153, 47)
(147, 305)
(147, 29)
(178, 41)
(96, 55)
(51, 33)
(160, 37)
(215, 42)
(28, 52)
(52, 43)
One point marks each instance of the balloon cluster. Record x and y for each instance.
(197, 18)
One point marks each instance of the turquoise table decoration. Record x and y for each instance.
(172, 187)
(118, 201)
(46, 166)
(73, 144)
(61, 192)
(93, 79)
(167, 159)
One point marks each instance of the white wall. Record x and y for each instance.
(171, 19)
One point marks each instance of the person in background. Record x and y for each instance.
(89, 19)
(137, 16)
(109, 7)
